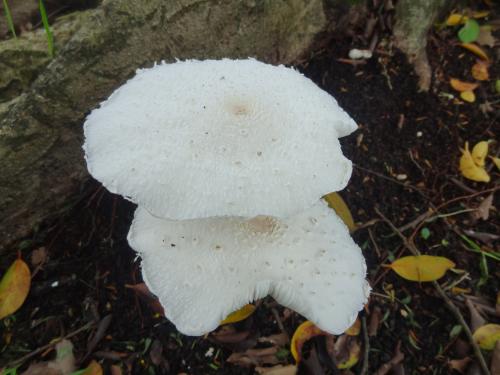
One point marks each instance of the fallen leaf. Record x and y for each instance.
(63, 364)
(93, 368)
(479, 153)
(469, 32)
(239, 315)
(485, 38)
(145, 294)
(395, 360)
(277, 370)
(336, 202)
(462, 86)
(468, 96)
(354, 350)
(354, 329)
(483, 210)
(487, 336)
(459, 365)
(229, 335)
(279, 339)
(469, 169)
(14, 287)
(255, 357)
(480, 14)
(496, 161)
(303, 333)
(38, 256)
(475, 49)
(455, 19)
(422, 267)
(476, 319)
(480, 71)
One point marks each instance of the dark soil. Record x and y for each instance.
(401, 133)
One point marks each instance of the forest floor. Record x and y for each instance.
(406, 182)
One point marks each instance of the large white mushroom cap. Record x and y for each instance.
(198, 139)
(202, 270)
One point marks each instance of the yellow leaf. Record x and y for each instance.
(480, 14)
(239, 315)
(354, 351)
(487, 336)
(422, 267)
(14, 287)
(354, 329)
(304, 332)
(469, 169)
(336, 202)
(480, 71)
(475, 49)
(455, 19)
(93, 368)
(496, 161)
(479, 153)
(462, 86)
(468, 96)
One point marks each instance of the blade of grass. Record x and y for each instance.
(10, 21)
(46, 26)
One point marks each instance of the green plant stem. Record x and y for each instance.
(10, 21)
(46, 26)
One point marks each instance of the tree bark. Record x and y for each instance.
(41, 160)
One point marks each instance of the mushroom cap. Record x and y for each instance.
(198, 139)
(203, 269)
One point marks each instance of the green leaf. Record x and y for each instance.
(456, 330)
(469, 32)
(425, 233)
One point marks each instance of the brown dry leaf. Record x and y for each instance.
(279, 339)
(468, 96)
(469, 169)
(483, 210)
(480, 70)
(64, 364)
(277, 370)
(375, 318)
(459, 365)
(229, 335)
(487, 336)
(485, 37)
(421, 268)
(255, 357)
(14, 287)
(475, 49)
(479, 153)
(476, 320)
(145, 294)
(239, 315)
(462, 86)
(38, 256)
(495, 359)
(304, 332)
(398, 358)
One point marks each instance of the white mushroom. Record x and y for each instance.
(209, 138)
(204, 269)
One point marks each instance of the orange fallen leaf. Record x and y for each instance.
(469, 169)
(468, 96)
(422, 267)
(487, 336)
(303, 333)
(239, 315)
(14, 287)
(336, 202)
(462, 86)
(455, 19)
(475, 49)
(480, 71)
(479, 153)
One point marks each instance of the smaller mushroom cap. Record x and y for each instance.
(198, 139)
(202, 270)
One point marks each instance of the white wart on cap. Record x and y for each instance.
(202, 270)
(198, 139)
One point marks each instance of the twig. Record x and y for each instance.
(449, 303)
(364, 369)
(278, 321)
(41, 349)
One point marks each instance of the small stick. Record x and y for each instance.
(449, 303)
(366, 339)
(41, 349)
